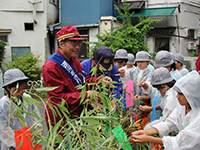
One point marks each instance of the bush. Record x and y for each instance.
(194, 54)
(28, 64)
(2, 50)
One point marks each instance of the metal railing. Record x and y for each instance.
(32, 85)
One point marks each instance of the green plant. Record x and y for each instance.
(28, 64)
(93, 129)
(2, 50)
(194, 54)
(126, 36)
(153, 55)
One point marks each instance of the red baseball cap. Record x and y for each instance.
(68, 32)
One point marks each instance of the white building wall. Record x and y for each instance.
(15, 13)
(188, 18)
(92, 33)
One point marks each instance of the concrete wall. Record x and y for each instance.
(187, 19)
(15, 13)
(106, 23)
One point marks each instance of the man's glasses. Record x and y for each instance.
(76, 42)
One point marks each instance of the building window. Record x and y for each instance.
(161, 44)
(28, 26)
(191, 33)
(4, 38)
(19, 51)
(83, 53)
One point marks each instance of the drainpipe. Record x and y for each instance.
(112, 23)
(177, 20)
(51, 39)
(51, 27)
(34, 9)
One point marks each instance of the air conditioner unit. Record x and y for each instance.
(191, 46)
(198, 42)
(187, 32)
(189, 63)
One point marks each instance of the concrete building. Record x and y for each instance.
(24, 24)
(179, 28)
(32, 25)
(89, 16)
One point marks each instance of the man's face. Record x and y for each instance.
(70, 48)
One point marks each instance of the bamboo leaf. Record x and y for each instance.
(47, 88)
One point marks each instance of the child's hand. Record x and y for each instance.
(142, 138)
(139, 132)
(136, 97)
(121, 72)
(145, 108)
(143, 84)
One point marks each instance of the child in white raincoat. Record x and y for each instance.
(13, 78)
(184, 119)
(162, 59)
(142, 72)
(129, 66)
(179, 59)
(165, 59)
(163, 82)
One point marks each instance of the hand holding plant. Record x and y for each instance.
(143, 84)
(107, 79)
(146, 108)
(121, 72)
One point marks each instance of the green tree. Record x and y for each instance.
(126, 36)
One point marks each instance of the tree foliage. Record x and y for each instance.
(126, 36)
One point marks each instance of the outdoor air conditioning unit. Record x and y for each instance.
(189, 63)
(191, 46)
(198, 42)
(187, 32)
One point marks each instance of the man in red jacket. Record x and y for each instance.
(63, 69)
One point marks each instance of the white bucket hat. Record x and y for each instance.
(142, 56)
(121, 54)
(160, 76)
(179, 57)
(13, 75)
(131, 59)
(163, 59)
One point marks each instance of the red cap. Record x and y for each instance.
(68, 32)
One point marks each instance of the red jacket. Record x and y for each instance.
(54, 76)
